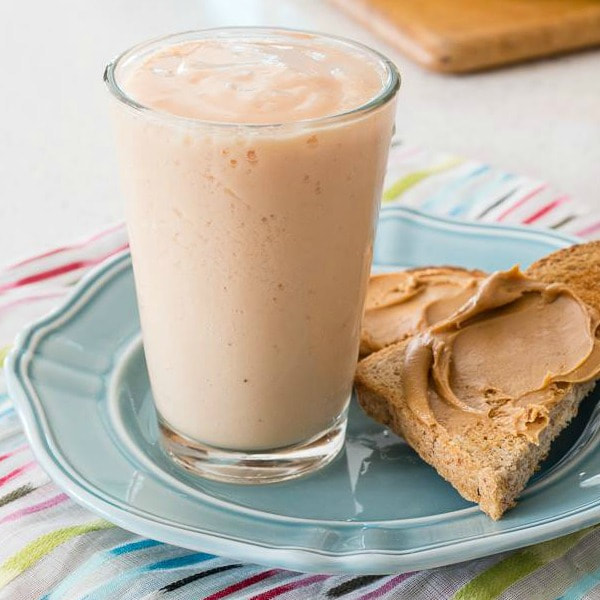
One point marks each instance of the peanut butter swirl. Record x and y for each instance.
(506, 356)
(401, 304)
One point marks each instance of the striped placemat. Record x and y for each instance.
(53, 549)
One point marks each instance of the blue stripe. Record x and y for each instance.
(110, 589)
(6, 411)
(448, 192)
(4, 400)
(134, 546)
(179, 561)
(92, 564)
(578, 590)
(480, 195)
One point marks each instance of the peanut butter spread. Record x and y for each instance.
(505, 357)
(400, 304)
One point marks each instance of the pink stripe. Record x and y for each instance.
(589, 230)
(293, 585)
(35, 508)
(522, 201)
(545, 210)
(240, 585)
(29, 299)
(13, 452)
(18, 471)
(55, 272)
(83, 244)
(390, 584)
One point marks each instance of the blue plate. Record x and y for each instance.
(79, 380)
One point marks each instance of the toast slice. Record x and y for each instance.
(486, 465)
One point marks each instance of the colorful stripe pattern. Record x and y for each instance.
(55, 550)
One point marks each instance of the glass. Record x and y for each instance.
(251, 246)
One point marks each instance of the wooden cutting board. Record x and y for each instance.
(456, 36)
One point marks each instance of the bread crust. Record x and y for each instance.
(576, 266)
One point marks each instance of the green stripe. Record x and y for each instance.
(40, 547)
(3, 354)
(491, 583)
(16, 494)
(411, 179)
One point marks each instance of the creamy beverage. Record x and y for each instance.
(252, 164)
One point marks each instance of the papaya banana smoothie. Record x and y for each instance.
(252, 162)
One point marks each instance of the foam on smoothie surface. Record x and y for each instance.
(255, 80)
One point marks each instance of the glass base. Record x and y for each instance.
(254, 467)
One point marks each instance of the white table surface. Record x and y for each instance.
(58, 177)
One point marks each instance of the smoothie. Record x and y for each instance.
(252, 163)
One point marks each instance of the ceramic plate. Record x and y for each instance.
(79, 380)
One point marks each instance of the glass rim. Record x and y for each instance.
(387, 92)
